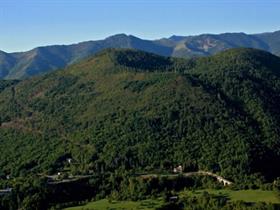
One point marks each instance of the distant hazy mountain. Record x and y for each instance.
(45, 59)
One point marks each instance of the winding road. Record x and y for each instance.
(220, 179)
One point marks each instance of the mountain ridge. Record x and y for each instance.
(41, 60)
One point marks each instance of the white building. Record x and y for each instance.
(178, 169)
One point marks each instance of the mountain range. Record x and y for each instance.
(138, 111)
(41, 60)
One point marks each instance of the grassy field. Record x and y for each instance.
(119, 205)
(251, 196)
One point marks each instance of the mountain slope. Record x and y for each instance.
(272, 40)
(135, 110)
(45, 59)
(208, 44)
(6, 63)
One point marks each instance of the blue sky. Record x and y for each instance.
(26, 24)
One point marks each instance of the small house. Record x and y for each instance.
(5, 191)
(178, 169)
(173, 199)
(69, 160)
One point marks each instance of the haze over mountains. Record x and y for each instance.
(45, 59)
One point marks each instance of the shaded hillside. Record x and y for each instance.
(272, 40)
(46, 59)
(6, 63)
(135, 110)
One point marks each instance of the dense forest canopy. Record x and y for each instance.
(139, 111)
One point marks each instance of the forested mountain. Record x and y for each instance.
(45, 59)
(135, 110)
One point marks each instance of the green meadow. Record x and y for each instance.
(249, 196)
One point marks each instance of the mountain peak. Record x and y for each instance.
(176, 38)
(130, 59)
(118, 36)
